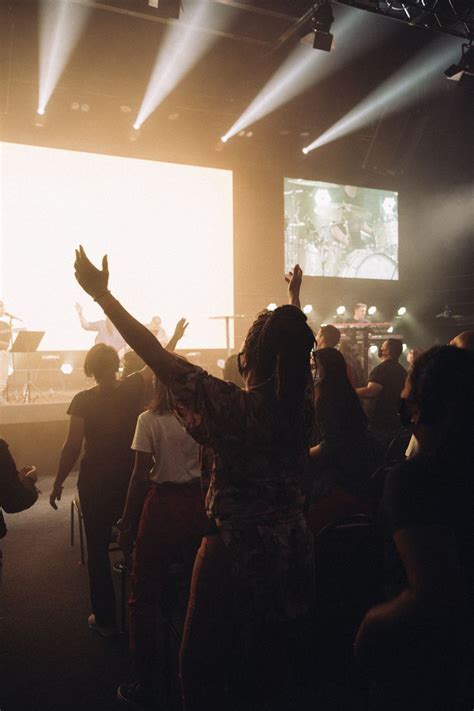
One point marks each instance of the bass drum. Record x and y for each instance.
(365, 264)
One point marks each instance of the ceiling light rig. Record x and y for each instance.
(463, 71)
(322, 19)
(446, 16)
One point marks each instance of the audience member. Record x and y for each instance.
(464, 340)
(259, 552)
(340, 457)
(384, 387)
(17, 488)
(328, 336)
(104, 418)
(170, 529)
(416, 645)
(413, 354)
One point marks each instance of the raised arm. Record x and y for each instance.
(294, 279)
(179, 331)
(95, 282)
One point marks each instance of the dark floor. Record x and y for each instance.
(49, 659)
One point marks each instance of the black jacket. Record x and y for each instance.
(15, 494)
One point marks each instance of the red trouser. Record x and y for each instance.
(171, 526)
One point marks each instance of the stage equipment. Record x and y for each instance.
(322, 21)
(366, 338)
(227, 320)
(28, 342)
(463, 72)
(452, 17)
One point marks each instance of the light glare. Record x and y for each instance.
(402, 311)
(372, 310)
(305, 67)
(272, 306)
(341, 310)
(60, 27)
(307, 309)
(180, 50)
(395, 93)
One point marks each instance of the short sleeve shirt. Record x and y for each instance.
(109, 420)
(391, 376)
(175, 453)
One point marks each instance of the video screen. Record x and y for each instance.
(167, 230)
(341, 230)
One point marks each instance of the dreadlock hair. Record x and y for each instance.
(277, 349)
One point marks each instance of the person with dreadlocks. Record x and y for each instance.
(254, 569)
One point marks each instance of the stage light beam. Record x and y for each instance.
(61, 24)
(304, 68)
(182, 47)
(395, 93)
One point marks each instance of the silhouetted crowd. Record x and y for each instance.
(323, 534)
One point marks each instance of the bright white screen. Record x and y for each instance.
(166, 228)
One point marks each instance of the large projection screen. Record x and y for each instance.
(341, 230)
(167, 230)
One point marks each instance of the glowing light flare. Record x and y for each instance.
(60, 27)
(66, 369)
(402, 311)
(304, 67)
(181, 49)
(372, 310)
(272, 306)
(307, 309)
(395, 93)
(341, 310)
(373, 349)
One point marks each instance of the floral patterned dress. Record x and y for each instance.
(255, 493)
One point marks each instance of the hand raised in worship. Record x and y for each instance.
(94, 281)
(78, 308)
(294, 279)
(180, 328)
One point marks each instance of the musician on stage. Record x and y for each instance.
(359, 314)
(5, 336)
(106, 332)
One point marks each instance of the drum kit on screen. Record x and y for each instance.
(341, 240)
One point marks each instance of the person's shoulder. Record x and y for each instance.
(83, 399)
(132, 383)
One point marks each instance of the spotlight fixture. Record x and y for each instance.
(307, 309)
(402, 311)
(372, 310)
(463, 72)
(320, 36)
(272, 307)
(341, 310)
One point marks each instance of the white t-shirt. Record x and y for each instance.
(176, 454)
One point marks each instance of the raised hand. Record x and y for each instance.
(78, 308)
(294, 279)
(94, 281)
(180, 328)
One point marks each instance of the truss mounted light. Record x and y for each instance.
(463, 72)
(320, 36)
